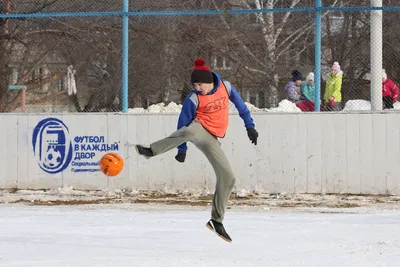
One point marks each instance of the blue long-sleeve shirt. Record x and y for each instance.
(189, 107)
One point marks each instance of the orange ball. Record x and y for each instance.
(111, 164)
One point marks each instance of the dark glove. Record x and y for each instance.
(253, 135)
(180, 157)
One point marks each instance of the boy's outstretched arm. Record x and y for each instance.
(244, 112)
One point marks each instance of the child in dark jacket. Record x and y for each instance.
(295, 95)
(203, 119)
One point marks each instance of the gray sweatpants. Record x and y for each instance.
(210, 146)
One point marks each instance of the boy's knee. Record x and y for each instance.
(229, 181)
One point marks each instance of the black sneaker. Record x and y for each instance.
(144, 151)
(219, 229)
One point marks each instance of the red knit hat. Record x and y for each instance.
(201, 73)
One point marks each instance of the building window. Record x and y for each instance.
(42, 72)
(223, 63)
(33, 75)
(60, 84)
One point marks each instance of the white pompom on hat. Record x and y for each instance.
(336, 66)
(310, 76)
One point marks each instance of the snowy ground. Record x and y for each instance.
(172, 235)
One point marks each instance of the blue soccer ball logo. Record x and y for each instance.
(53, 157)
(52, 145)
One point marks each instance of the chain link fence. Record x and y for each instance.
(72, 61)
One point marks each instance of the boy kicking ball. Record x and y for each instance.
(203, 119)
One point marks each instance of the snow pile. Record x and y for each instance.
(137, 110)
(158, 108)
(360, 105)
(253, 108)
(396, 105)
(353, 105)
(285, 106)
(161, 108)
(172, 107)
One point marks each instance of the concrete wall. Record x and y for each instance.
(302, 153)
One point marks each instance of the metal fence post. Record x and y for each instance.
(125, 55)
(317, 103)
(376, 56)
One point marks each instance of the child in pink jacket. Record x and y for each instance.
(390, 92)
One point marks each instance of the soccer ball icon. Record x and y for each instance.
(53, 157)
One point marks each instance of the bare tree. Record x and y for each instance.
(31, 43)
(264, 47)
(267, 44)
